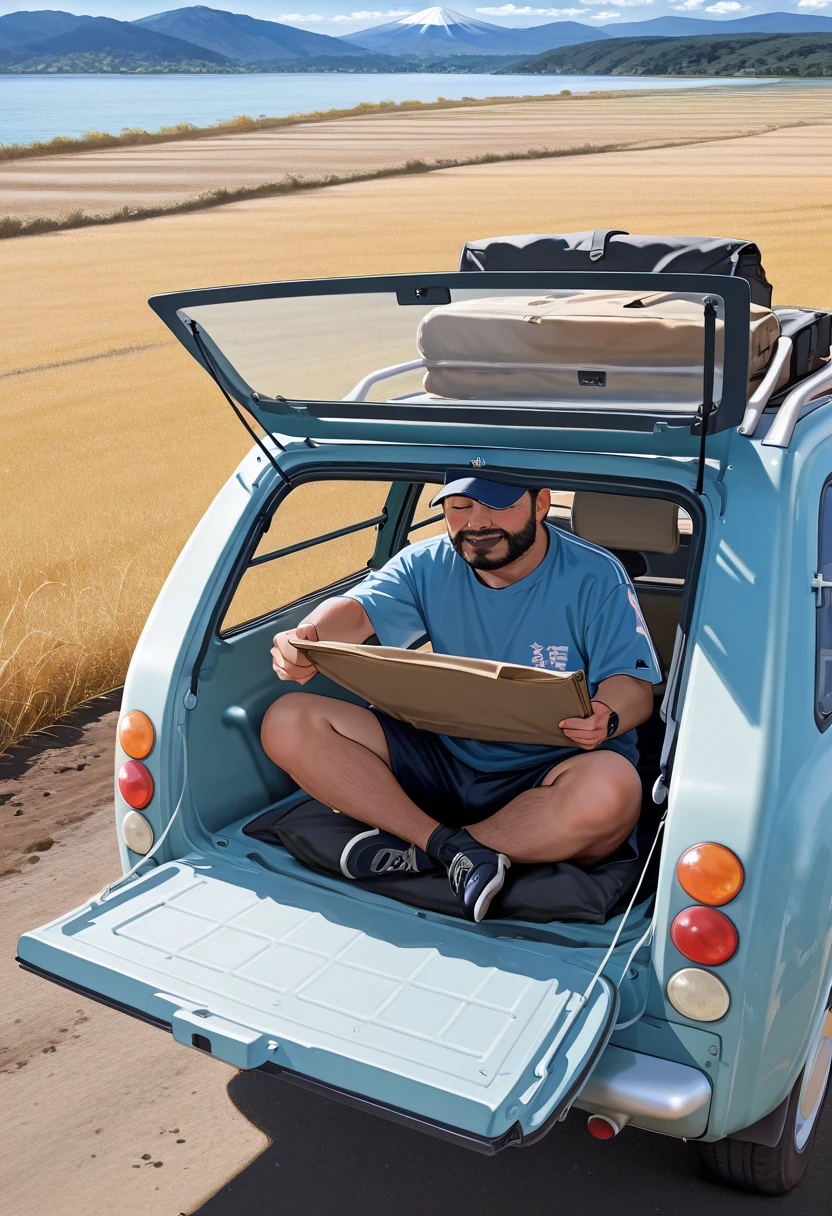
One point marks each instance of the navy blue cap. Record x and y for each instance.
(494, 494)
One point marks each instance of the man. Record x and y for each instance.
(502, 584)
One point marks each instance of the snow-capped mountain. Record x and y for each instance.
(441, 31)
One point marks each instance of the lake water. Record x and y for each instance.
(39, 107)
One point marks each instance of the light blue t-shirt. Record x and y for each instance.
(577, 610)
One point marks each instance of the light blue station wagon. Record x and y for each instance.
(698, 1004)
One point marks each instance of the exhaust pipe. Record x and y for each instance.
(605, 1127)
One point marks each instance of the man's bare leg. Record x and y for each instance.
(586, 807)
(337, 752)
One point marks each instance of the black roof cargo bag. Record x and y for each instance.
(613, 249)
(811, 333)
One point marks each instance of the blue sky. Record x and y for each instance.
(335, 17)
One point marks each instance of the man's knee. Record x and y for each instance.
(606, 778)
(287, 722)
(603, 789)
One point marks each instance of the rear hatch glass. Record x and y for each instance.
(594, 346)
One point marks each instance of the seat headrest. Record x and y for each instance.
(623, 521)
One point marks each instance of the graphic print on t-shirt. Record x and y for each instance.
(554, 658)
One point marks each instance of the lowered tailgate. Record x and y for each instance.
(475, 1032)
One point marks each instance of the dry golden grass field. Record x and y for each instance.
(100, 181)
(114, 442)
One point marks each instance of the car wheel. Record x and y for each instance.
(774, 1170)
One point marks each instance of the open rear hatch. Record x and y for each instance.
(487, 1037)
(406, 358)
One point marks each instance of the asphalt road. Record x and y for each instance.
(103, 1114)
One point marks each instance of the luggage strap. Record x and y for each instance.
(598, 245)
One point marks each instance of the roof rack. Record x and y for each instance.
(759, 399)
(785, 420)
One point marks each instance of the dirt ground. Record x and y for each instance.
(103, 181)
(101, 1113)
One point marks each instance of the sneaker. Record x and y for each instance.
(375, 852)
(475, 872)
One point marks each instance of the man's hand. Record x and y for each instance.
(587, 733)
(287, 661)
(338, 619)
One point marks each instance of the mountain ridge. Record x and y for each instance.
(106, 35)
(51, 39)
(683, 27)
(26, 28)
(808, 55)
(247, 39)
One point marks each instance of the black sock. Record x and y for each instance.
(444, 844)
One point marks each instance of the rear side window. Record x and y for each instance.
(312, 510)
(823, 677)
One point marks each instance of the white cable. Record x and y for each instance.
(620, 928)
(102, 895)
(577, 1003)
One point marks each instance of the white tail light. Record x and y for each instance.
(137, 833)
(698, 994)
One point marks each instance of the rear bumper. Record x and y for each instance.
(655, 1094)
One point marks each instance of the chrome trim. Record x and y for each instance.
(785, 420)
(655, 1094)
(758, 400)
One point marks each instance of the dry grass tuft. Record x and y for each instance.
(62, 640)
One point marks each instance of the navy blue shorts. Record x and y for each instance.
(446, 788)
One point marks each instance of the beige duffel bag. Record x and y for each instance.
(596, 347)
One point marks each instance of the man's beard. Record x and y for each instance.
(517, 543)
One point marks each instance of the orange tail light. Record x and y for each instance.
(710, 874)
(136, 734)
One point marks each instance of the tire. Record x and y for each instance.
(774, 1171)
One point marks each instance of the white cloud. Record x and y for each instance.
(343, 18)
(511, 10)
(813, 3)
(687, 5)
(602, 16)
(620, 3)
(727, 6)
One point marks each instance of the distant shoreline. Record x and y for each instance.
(243, 123)
(61, 145)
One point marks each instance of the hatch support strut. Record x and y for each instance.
(211, 368)
(707, 386)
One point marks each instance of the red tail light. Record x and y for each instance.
(704, 936)
(135, 784)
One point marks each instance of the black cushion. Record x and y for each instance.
(317, 835)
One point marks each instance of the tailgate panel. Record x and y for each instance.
(369, 996)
